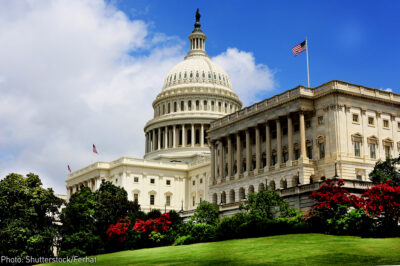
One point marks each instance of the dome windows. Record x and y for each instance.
(175, 105)
(182, 106)
(215, 76)
(204, 75)
(209, 75)
(185, 75)
(179, 75)
(191, 75)
(175, 77)
(197, 74)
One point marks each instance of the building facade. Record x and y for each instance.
(200, 144)
(296, 138)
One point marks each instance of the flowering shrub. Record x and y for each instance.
(161, 224)
(119, 230)
(383, 202)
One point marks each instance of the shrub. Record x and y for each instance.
(203, 232)
(153, 214)
(231, 227)
(183, 240)
(206, 213)
(355, 222)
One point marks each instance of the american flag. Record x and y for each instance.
(69, 169)
(299, 48)
(94, 149)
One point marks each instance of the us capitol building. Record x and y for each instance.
(201, 144)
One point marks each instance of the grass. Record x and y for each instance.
(298, 249)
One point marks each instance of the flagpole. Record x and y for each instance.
(308, 69)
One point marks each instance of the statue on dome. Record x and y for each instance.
(198, 16)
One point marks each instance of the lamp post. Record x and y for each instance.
(335, 177)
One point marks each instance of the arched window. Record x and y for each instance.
(189, 136)
(242, 194)
(175, 77)
(191, 75)
(204, 75)
(175, 107)
(197, 74)
(215, 76)
(185, 75)
(189, 105)
(283, 184)
(182, 106)
(205, 105)
(212, 105)
(232, 196)
(251, 189)
(169, 108)
(163, 109)
(272, 185)
(209, 75)
(179, 75)
(223, 197)
(215, 198)
(261, 187)
(197, 105)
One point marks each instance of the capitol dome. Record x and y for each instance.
(195, 93)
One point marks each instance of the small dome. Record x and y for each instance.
(197, 71)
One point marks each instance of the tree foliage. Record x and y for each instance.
(386, 170)
(267, 205)
(28, 217)
(206, 213)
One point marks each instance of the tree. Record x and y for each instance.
(28, 217)
(206, 213)
(78, 225)
(266, 205)
(385, 170)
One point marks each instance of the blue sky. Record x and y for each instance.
(74, 73)
(354, 41)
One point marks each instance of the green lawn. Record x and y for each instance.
(300, 249)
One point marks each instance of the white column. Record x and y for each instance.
(221, 162)
(183, 136)
(212, 147)
(165, 137)
(193, 135)
(303, 152)
(153, 148)
(159, 139)
(202, 135)
(174, 137)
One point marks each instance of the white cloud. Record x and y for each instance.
(74, 73)
(248, 78)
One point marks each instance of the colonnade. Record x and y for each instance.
(90, 183)
(171, 137)
(228, 159)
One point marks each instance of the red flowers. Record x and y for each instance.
(331, 194)
(161, 224)
(119, 229)
(383, 199)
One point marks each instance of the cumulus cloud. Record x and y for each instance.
(248, 78)
(75, 72)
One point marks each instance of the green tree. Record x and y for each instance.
(28, 217)
(206, 213)
(78, 225)
(385, 170)
(267, 205)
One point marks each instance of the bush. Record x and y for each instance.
(183, 240)
(206, 213)
(355, 222)
(153, 214)
(203, 232)
(231, 227)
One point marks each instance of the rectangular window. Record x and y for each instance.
(151, 199)
(355, 118)
(320, 120)
(201, 180)
(385, 123)
(387, 152)
(398, 126)
(152, 181)
(194, 200)
(168, 182)
(371, 121)
(321, 150)
(168, 200)
(136, 179)
(309, 152)
(136, 197)
(372, 150)
(357, 148)
(194, 182)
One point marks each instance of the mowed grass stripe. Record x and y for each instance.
(296, 249)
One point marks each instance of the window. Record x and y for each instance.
(136, 179)
(309, 152)
(359, 177)
(285, 156)
(355, 118)
(385, 123)
(116, 181)
(372, 150)
(182, 106)
(136, 197)
(152, 181)
(205, 105)
(169, 108)
(168, 200)
(168, 182)
(320, 120)
(175, 107)
(296, 127)
(194, 182)
(398, 126)
(297, 153)
(387, 152)
(357, 149)
(322, 150)
(308, 123)
(151, 199)
(197, 105)
(201, 180)
(194, 200)
(189, 105)
(371, 121)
